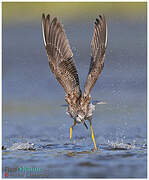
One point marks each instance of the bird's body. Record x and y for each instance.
(82, 110)
(62, 65)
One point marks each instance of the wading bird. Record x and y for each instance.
(61, 63)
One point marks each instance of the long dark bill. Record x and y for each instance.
(85, 125)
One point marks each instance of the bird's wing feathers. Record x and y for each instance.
(60, 57)
(98, 47)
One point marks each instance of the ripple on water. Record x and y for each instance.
(87, 164)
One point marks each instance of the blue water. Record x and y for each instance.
(35, 125)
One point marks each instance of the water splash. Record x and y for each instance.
(121, 145)
(22, 146)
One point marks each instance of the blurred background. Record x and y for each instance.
(16, 12)
(32, 97)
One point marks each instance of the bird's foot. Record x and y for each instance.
(94, 149)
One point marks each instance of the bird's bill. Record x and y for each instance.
(85, 125)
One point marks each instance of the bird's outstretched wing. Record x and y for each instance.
(98, 47)
(60, 57)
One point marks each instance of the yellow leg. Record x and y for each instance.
(70, 133)
(95, 147)
(74, 123)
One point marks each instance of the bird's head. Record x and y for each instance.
(78, 115)
(80, 118)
